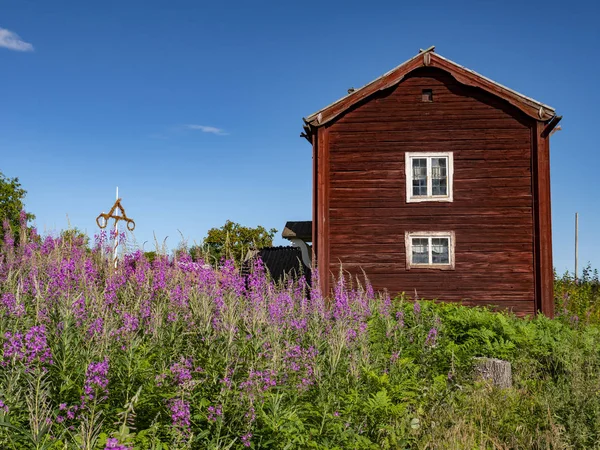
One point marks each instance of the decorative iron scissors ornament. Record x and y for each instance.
(113, 214)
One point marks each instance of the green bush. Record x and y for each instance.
(579, 300)
(175, 354)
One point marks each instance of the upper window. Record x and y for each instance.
(429, 176)
(430, 249)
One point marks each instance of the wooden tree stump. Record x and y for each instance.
(498, 371)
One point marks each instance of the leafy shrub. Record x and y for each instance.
(578, 299)
(179, 354)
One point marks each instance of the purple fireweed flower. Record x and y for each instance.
(574, 319)
(113, 285)
(96, 327)
(23, 219)
(100, 240)
(130, 323)
(351, 335)
(431, 337)
(3, 407)
(214, 412)
(48, 245)
(417, 308)
(362, 328)
(227, 382)
(31, 349)
(13, 346)
(96, 380)
(259, 382)
(180, 414)
(179, 297)
(386, 305)
(400, 319)
(258, 287)
(113, 444)
(78, 309)
(394, 357)
(182, 372)
(246, 439)
(159, 281)
(9, 303)
(369, 292)
(36, 345)
(90, 272)
(9, 240)
(299, 324)
(146, 309)
(250, 416)
(341, 306)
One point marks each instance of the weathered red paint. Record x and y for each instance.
(501, 209)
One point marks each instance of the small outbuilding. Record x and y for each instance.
(436, 180)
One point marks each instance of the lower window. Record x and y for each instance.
(430, 249)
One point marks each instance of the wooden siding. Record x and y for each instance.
(362, 209)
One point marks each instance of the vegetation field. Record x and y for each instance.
(179, 354)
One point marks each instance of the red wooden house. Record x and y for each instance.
(435, 179)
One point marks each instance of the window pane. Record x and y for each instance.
(440, 250)
(419, 187)
(439, 186)
(419, 176)
(439, 176)
(420, 251)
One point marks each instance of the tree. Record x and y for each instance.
(75, 237)
(233, 241)
(11, 204)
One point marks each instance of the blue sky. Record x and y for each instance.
(95, 95)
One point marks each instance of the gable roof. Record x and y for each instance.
(301, 230)
(427, 58)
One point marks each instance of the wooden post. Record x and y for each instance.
(576, 244)
(116, 235)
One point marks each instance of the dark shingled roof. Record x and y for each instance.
(301, 230)
(281, 262)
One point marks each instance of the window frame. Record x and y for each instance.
(408, 157)
(410, 235)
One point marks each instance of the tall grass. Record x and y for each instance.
(578, 299)
(180, 354)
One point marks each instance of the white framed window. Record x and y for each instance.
(430, 249)
(429, 176)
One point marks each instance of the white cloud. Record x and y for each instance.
(12, 41)
(206, 129)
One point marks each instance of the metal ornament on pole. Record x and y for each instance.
(576, 245)
(117, 212)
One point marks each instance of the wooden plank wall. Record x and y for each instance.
(492, 212)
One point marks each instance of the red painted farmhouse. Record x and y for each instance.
(435, 179)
